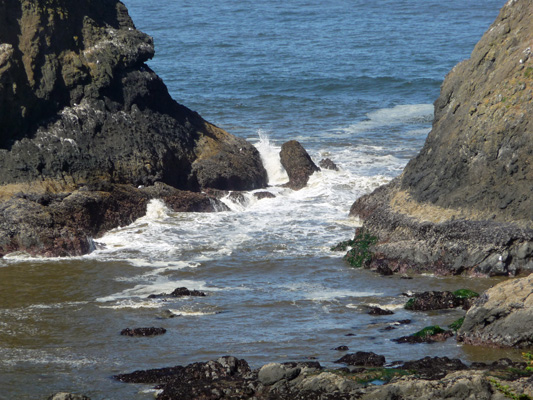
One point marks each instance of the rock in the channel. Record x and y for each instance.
(297, 163)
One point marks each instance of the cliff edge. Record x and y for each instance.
(81, 112)
(463, 204)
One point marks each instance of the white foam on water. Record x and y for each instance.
(271, 161)
(387, 306)
(160, 284)
(397, 115)
(12, 357)
(122, 304)
(191, 313)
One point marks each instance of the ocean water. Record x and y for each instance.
(351, 80)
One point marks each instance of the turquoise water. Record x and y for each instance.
(351, 80)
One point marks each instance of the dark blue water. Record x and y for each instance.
(302, 68)
(351, 80)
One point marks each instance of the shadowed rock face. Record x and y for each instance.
(79, 104)
(464, 203)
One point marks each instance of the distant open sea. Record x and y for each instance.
(354, 81)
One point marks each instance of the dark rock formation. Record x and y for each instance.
(379, 311)
(363, 358)
(179, 292)
(434, 367)
(297, 163)
(143, 331)
(427, 301)
(502, 316)
(326, 163)
(464, 203)
(79, 106)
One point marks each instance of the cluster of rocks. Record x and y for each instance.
(365, 378)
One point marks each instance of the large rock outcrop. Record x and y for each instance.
(78, 106)
(464, 203)
(502, 316)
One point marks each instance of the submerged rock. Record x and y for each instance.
(463, 204)
(502, 316)
(79, 107)
(297, 163)
(68, 396)
(143, 331)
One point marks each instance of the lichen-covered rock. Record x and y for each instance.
(502, 316)
(464, 203)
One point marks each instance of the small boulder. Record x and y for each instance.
(362, 358)
(272, 373)
(264, 195)
(326, 163)
(297, 163)
(143, 331)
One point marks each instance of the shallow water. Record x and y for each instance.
(353, 81)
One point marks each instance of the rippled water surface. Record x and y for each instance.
(351, 80)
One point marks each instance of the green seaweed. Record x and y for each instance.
(360, 253)
(507, 392)
(456, 325)
(465, 294)
(410, 303)
(429, 331)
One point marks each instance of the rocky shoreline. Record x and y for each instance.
(428, 378)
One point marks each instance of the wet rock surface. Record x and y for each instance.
(502, 316)
(297, 163)
(179, 292)
(462, 205)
